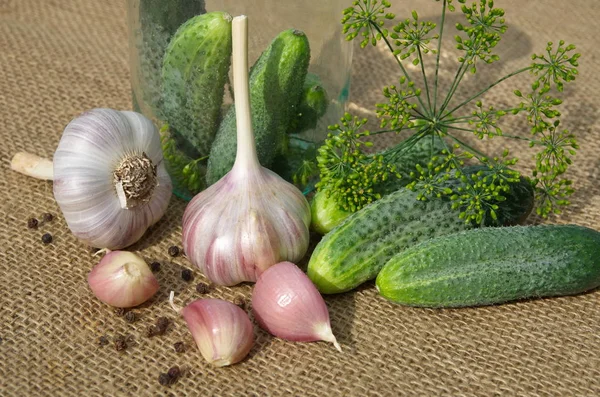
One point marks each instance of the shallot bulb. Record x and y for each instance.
(250, 219)
(222, 331)
(122, 279)
(288, 305)
(109, 177)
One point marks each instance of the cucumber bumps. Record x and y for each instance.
(494, 265)
(194, 73)
(276, 83)
(357, 249)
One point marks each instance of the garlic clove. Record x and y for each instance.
(288, 305)
(251, 218)
(122, 279)
(222, 331)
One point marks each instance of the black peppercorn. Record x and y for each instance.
(32, 223)
(202, 288)
(173, 250)
(120, 343)
(174, 373)
(119, 311)
(103, 341)
(240, 301)
(47, 238)
(179, 347)
(47, 217)
(162, 322)
(151, 331)
(186, 275)
(155, 266)
(164, 379)
(130, 317)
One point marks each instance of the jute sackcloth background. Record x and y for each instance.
(61, 57)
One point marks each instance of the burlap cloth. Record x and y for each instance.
(60, 57)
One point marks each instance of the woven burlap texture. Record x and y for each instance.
(60, 57)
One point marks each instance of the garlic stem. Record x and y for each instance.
(246, 156)
(32, 165)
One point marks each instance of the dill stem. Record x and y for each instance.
(425, 79)
(389, 45)
(460, 73)
(486, 90)
(437, 59)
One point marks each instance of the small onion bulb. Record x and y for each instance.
(122, 279)
(109, 177)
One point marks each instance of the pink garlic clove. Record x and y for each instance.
(122, 279)
(222, 331)
(288, 305)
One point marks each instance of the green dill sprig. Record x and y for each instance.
(346, 171)
(354, 177)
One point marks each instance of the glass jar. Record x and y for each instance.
(322, 97)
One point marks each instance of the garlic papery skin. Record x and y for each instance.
(222, 331)
(250, 219)
(109, 177)
(122, 279)
(288, 305)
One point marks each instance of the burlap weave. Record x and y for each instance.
(60, 57)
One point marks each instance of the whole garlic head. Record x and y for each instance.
(245, 223)
(109, 177)
(251, 218)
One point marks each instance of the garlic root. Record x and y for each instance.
(32, 165)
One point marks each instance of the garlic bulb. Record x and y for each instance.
(109, 177)
(122, 279)
(222, 331)
(288, 305)
(251, 218)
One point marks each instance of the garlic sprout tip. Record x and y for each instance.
(173, 305)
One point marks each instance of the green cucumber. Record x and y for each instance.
(356, 250)
(194, 73)
(297, 164)
(159, 20)
(276, 82)
(313, 105)
(326, 214)
(494, 265)
(186, 173)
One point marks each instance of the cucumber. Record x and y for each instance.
(356, 250)
(313, 105)
(186, 173)
(297, 164)
(194, 73)
(276, 82)
(494, 265)
(326, 214)
(159, 20)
